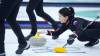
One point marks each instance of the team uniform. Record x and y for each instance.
(77, 26)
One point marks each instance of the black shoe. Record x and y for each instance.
(28, 37)
(90, 44)
(21, 48)
(2, 54)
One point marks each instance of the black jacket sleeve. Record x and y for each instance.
(60, 30)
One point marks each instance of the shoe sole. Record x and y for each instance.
(21, 51)
(94, 44)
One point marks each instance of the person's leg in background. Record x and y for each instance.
(40, 12)
(30, 11)
(2, 36)
(11, 19)
(38, 6)
(5, 8)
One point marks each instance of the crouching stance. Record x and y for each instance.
(84, 30)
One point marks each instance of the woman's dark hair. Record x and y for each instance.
(67, 11)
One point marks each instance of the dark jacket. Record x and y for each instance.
(77, 25)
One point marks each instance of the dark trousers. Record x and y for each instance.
(8, 11)
(92, 33)
(37, 5)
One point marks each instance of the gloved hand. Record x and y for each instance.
(71, 39)
(53, 36)
(49, 32)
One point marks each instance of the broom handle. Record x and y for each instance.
(91, 23)
(88, 24)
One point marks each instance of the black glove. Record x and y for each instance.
(54, 37)
(49, 32)
(71, 38)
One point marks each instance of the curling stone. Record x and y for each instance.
(37, 40)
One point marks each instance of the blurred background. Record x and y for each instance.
(87, 9)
